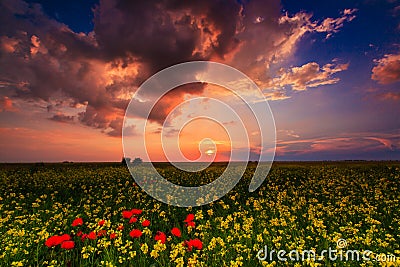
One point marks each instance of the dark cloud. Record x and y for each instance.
(132, 40)
(162, 33)
(62, 118)
(6, 104)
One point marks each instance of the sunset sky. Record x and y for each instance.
(329, 69)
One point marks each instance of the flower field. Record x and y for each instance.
(95, 215)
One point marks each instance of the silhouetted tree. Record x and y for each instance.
(126, 161)
(137, 161)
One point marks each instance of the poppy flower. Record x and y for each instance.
(77, 222)
(197, 243)
(83, 237)
(189, 218)
(191, 224)
(68, 244)
(120, 227)
(57, 240)
(133, 220)
(146, 223)
(92, 236)
(52, 241)
(194, 243)
(127, 214)
(160, 236)
(113, 235)
(79, 233)
(102, 233)
(136, 211)
(65, 237)
(135, 233)
(101, 223)
(176, 232)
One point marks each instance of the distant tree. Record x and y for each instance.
(126, 161)
(137, 161)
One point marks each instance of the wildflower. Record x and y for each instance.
(191, 224)
(77, 222)
(52, 241)
(133, 220)
(176, 232)
(65, 237)
(113, 235)
(101, 223)
(127, 214)
(160, 236)
(135, 233)
(194, 243)
(56, 240)
(189, 218)
(136, 211)
(120, 227)
(146, 223)
(144, 248)
(68, 244)
(83, 237)
(92, 236)
(102, 233)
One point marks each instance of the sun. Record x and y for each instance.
(210, 152)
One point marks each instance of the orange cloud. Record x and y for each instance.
(7, 44)
(309, 75)
(389, 96)
(387, 69)
(6, 104)
(331, 25)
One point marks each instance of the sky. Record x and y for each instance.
(330, 71)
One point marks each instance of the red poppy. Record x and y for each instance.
(160, 236)
(102, 233)
(65, 237)
(133, 220)
(79, 233)
(191, 224)
(83, 237)
(52, 241)
(92, 236)
(135, 233)
(127, 214)
(113, 235)
(120, 227)
(194, 243)
(101, 223)
(176, 232)
(77, 222)
(189, 218)
(55, 240)
(68, 244)
(136, 211)
(146, 223)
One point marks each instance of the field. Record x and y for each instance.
(94, 215)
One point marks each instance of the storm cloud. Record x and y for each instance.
(130, 41)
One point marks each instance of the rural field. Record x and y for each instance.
(77, 214)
